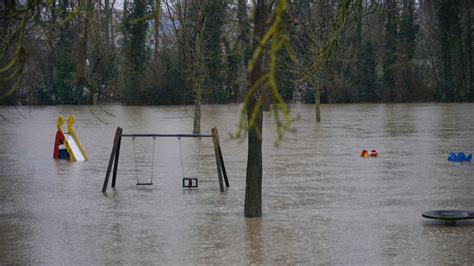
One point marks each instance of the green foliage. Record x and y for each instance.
(308, 96)
(371, 51)
(135, 48)
(391, 50)
(11, 71)
(446, 90)
(166, 92)
(452, 84)
(102, 71)
(401, 32)
(286, 79)
(409, 30)
(64, 67)
(213, 32)
(245, 35)
(135, 32)
(367, 77)
(286, 88)
(21, 17)
(364, 77)
(232, 60)
(8, 100)
(62, 89)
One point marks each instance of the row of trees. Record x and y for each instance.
(183, 51)
(392, 51)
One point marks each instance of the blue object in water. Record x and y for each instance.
(460, 157)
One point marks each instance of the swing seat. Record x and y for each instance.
(190, 182)
(144, 184)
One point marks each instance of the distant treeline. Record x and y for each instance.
(163, 51)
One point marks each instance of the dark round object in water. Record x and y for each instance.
(451, 215)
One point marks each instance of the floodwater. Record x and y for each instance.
(322, 203)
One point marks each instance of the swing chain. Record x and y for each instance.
(153, 160)
(135, 159)
(199, 157)
(181, 157)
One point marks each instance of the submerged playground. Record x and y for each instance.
(133, 186)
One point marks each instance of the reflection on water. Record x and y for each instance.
(253, 240)
(322, 202)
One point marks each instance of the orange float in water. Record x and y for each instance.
(364, 154)
(373, 153)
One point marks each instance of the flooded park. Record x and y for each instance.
(322, 202)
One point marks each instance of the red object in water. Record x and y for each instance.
(58, 141)
(364, 154)
(373, 153)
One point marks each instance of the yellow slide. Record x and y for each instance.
(70, 141)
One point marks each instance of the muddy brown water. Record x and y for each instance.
(322, 203)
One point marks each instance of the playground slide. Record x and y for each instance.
(74, 148)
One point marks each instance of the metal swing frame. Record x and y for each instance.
(115, 154)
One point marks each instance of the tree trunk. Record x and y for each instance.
(317, 100)
(51, 54)
(470, 73)
(111, 23)
(197, 110)
(3, 20)
(390, 56)
(81, 81)
(107, 19)
(253, 187)
(157, 28)
(197, 76)
(265, 91)
(244, 43)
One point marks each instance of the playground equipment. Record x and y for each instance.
(460, 157)
(365, 154)
(67, 145)
(448, 216)
(152, 164)
(373, 154)
(189, 182)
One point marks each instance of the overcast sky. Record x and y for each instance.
(119, 4)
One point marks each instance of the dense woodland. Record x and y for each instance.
(177, 51)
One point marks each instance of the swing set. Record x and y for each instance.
(188, 182)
